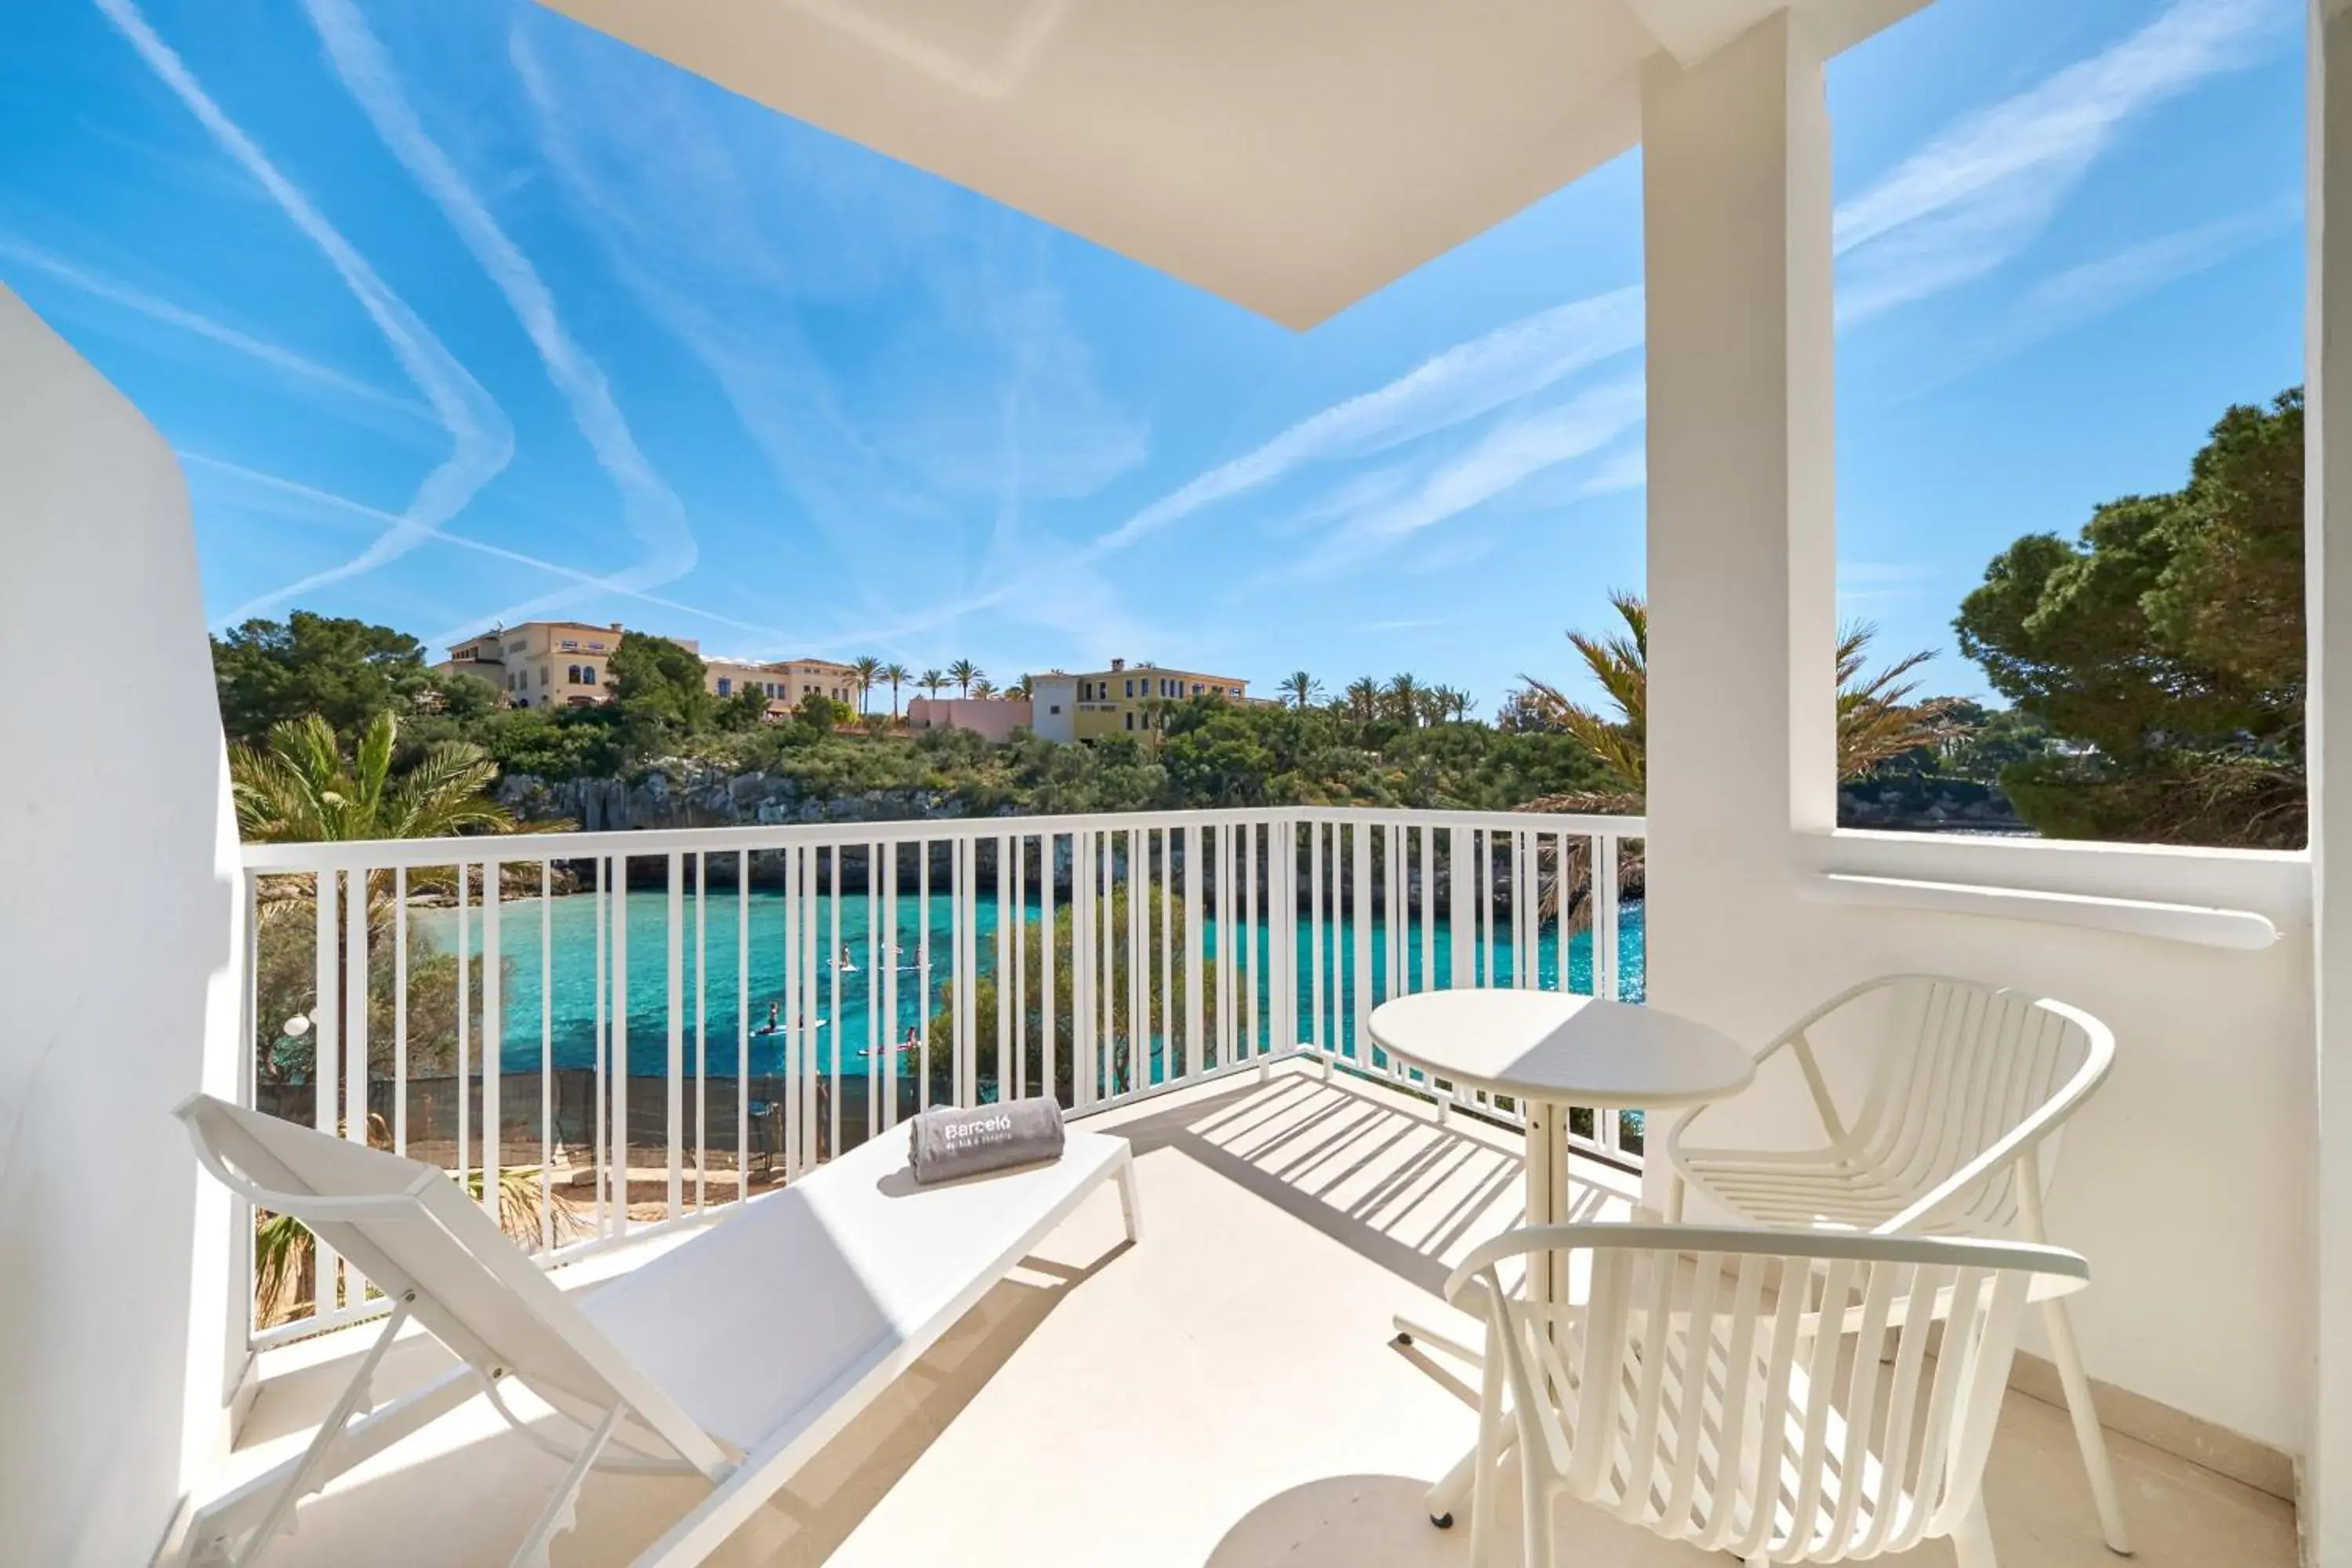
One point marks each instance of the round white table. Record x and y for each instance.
(1548, 1050)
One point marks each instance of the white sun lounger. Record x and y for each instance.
(737, 1354)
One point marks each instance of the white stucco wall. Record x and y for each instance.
(118, 859)
(2186, 1180)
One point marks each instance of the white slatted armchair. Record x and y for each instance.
(1714, 1386)
(1955, 1133)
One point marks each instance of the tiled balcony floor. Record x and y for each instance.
(1223, 1396)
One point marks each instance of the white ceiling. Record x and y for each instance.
(1289, 156)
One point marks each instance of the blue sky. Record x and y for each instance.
(444, 334)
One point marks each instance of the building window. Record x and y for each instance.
(724, 684)
(1056, 707)
(595, 647)
(1196, 688)
(1130, 721)
(570, 643)
(545, 672)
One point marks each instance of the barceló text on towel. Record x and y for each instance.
(945, 1143)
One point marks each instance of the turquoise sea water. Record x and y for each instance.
(563, 1013)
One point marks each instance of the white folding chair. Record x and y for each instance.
(1713, 1385)
(803, 1307)
(1957, 1133)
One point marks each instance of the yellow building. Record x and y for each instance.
(541, 664)
(1123, 700)
(785, 680)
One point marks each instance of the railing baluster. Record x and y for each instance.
(1195, 1055)
(921, 1056)
(701, 1031)
(1139, 970)
(601, 1043)
(1315, 929)
(1164, 902)
(465, 1025)
(546, 1056)
(619, 1069)
(326, 1068)
(400, 1010)
(1360, 994)
(1021, 1085)
(882, 1066)
(1007, 978)
(493, 1030)
(1049, 858)
(743, 1028)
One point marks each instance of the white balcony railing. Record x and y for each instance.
(654, 1025)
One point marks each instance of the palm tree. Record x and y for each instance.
(1363, 698)
(894, 673)
(1301, 688)
(963, 672)
(869, 670)
(1875, 720)
(1458, 704)
(932, 682)
(1404, 699)
(1020, 690)
(300, 787)
(982, 688)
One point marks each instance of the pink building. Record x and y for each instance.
(992, 718)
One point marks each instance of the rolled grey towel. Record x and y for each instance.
(946, 1143)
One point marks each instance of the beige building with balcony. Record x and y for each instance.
(787, 682)
(543, 664)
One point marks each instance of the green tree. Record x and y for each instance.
(932, 682)
(344, 671)
(895, 674)
(1121, 1062)
(2165, 644)
(818, 712)
(1303, 690)
(963, 672)
(869, 669)
(658, 690)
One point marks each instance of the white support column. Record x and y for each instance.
(2327, 542)
(1736, 226)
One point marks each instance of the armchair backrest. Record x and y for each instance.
(1724, 1386)
(1960, 1068)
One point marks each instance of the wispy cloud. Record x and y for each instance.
(1508, 452)
(2076, 296)
(974, 385)
(129, 297)
(481, 441)
(292, 497)
(1466, 382)
(1979, 194)
(652, 510)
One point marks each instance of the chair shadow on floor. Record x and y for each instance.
(1396, 1184)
